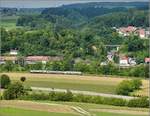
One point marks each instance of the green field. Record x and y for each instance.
(8, 22)
(75, 82)
(23, 112)
(28, 108)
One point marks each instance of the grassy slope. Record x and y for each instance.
(8, 22)
(91, 108)
(23, 112)
(88, 83)
(76, 82)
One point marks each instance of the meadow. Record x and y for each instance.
(26, 108)
(75, 82)
(8, 22)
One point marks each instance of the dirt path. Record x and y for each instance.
(82, 92)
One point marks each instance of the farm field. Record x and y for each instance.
(26, 108)
(75, 82)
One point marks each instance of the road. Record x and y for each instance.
(83, 92)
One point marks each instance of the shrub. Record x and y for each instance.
(14, 91)
(68, 96)
(22, 79)
(142, 102)
(136, 83)
(5, 81)
(83, 98)
(124, 88)
(114, 101)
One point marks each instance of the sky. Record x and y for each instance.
(50, 3)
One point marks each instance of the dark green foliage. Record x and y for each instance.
(14, 91)
(136, 83)
(9, 66)
(139, 102)
(139, 71)
(132, 17)
(109, 69)
(23, 79)
(4, 81)
(68, 96)
(124, 88)
(147, 71)
(114, 101)
(128, 86)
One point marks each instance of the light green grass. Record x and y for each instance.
(8, 22)
(22, 112)
(117, 109)
(88, 106)
(83, 86)
(74, 82)
(111, 114)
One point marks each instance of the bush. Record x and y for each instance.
(14, 91)
(114, 101)
(68, 96)
(126, 86)
(136, 83)
(83, 98)
(142, 102)
(22, 79)
(5, 81)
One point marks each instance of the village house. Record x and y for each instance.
(126, 31)
(13, 52)
(141, 33)
(3, 59)
(42, 59)
(110, 56)
(147, 32)
(124, 61)
(35, 59)
(147, 60)
(30, 59)
(132, 61)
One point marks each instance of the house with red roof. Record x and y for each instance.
(147, 60)
(42, 59)
(4, 59)
(124, 61)
(35, 59)
(141, 33)
(126, 31)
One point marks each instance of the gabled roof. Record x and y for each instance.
(141, 32)
(147, 59)
(8, 58)
(37, 58)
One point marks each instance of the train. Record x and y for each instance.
(56, 72)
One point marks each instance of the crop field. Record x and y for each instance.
(26, 108)
(75, 82)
